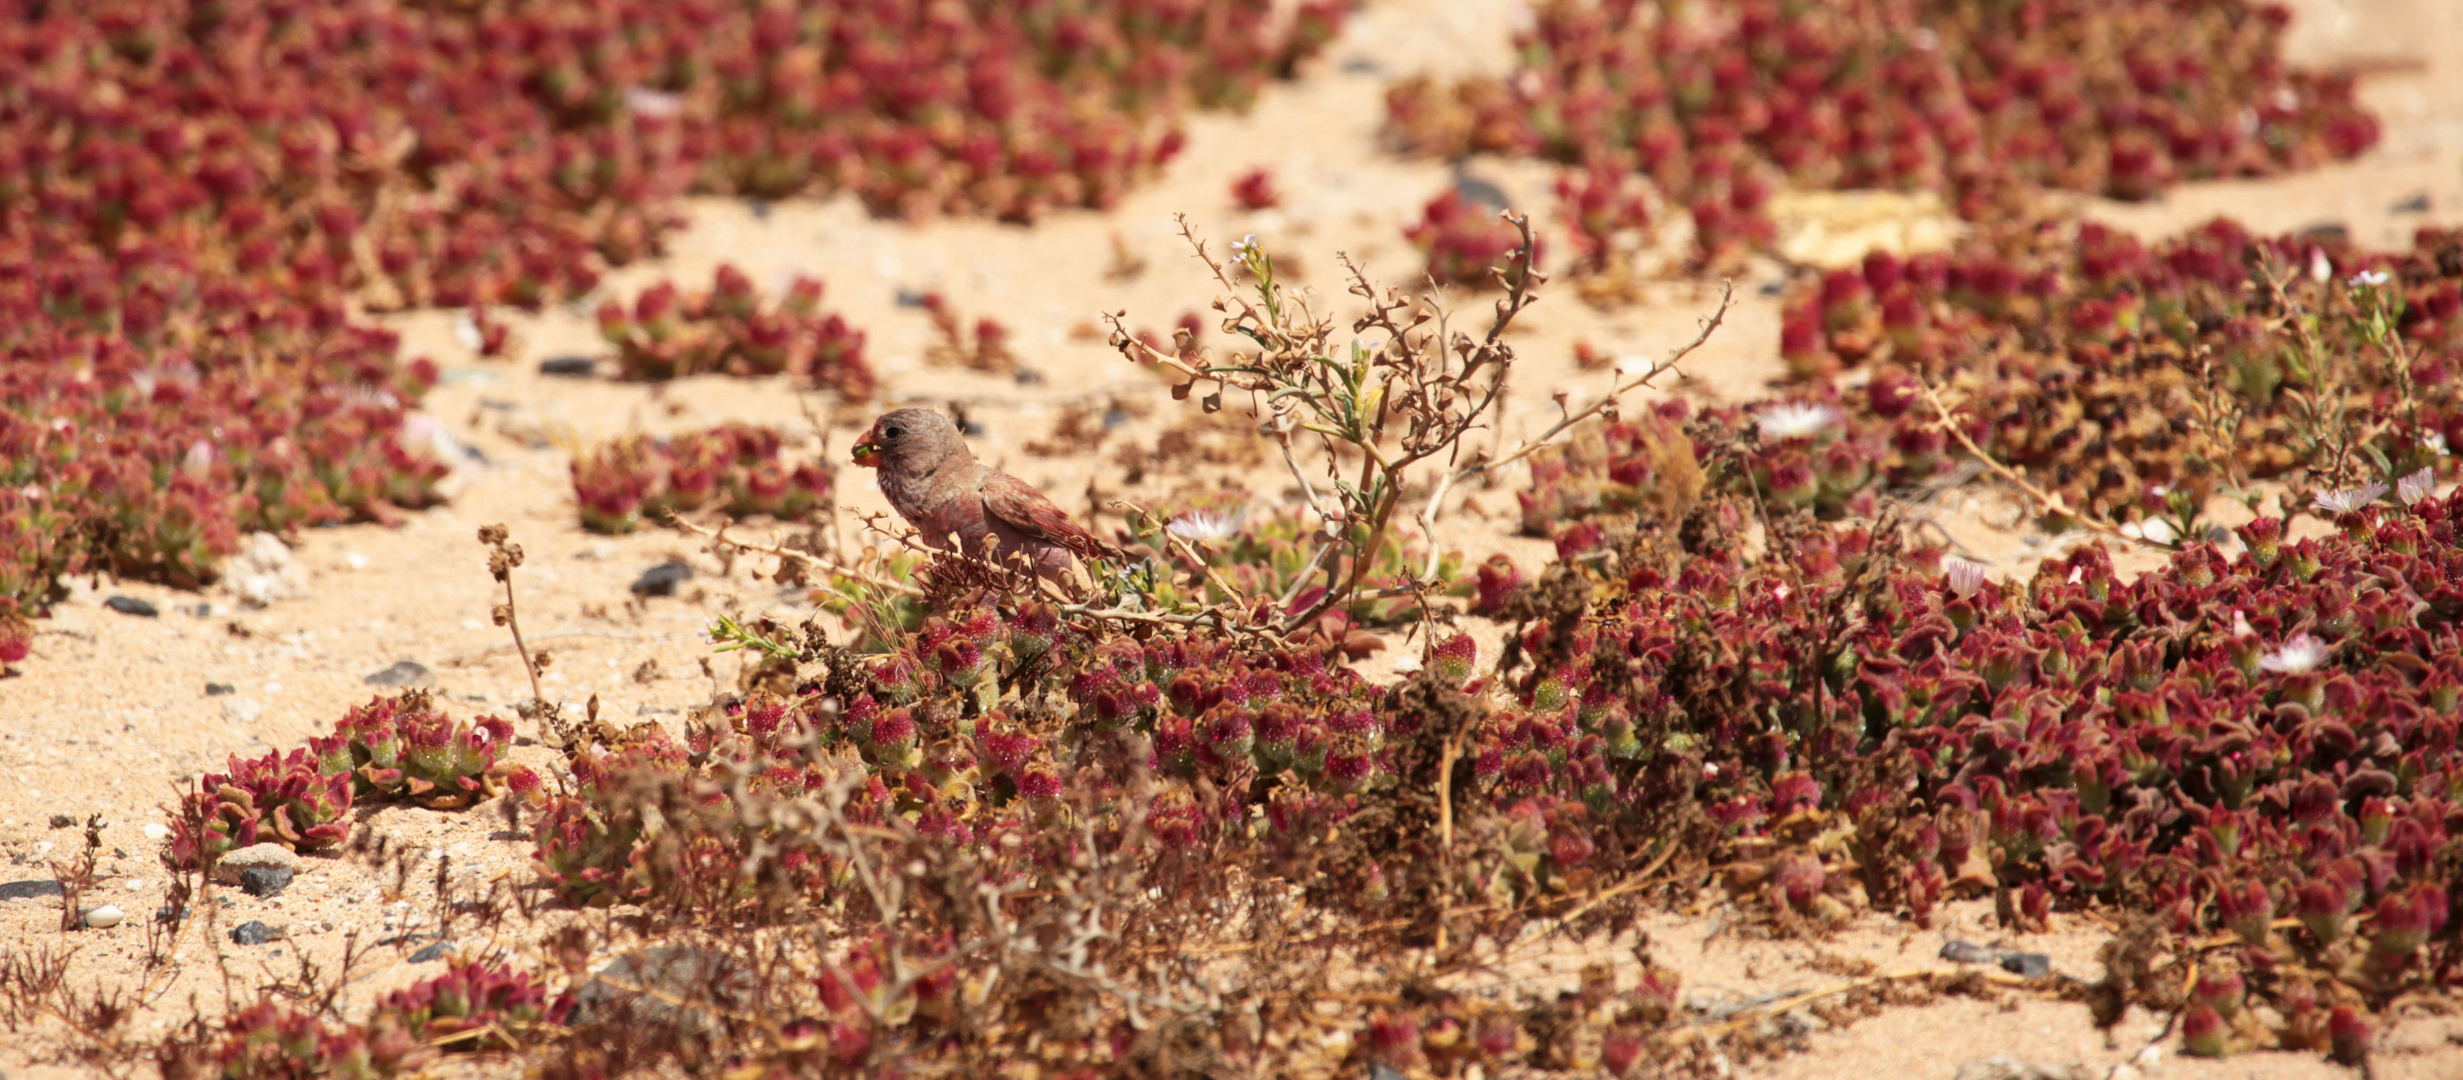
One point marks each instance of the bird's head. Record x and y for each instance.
(908, 438)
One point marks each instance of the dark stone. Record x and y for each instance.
(684, 986)
(911, 298)
(28, 890)
(1027, 376)
(63, 821)
(1966, 952)
(2326, 231)
(218, 689)
(264, 882)
(253, 932)
(661, 580)
(432, 952)
(130, 605)
(403, 673)
(1479, 192)
(578, 367)
(2417, 204)
(2026, 965)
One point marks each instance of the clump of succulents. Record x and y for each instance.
(405, 748)
(741, 469)
(474, 1007)
(1463, 239)
(730, 329)
(1722, 104)
(281, 798)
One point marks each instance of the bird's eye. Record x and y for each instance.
(893, 431)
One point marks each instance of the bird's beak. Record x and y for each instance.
(865, 454)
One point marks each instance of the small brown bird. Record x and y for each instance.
(935, 483)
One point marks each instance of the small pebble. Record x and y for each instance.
(2026, 964)
(404, 673)
(432, 952)
(1966, 952)
(104, 917)
(254, 932)
(661, 580)
(218, 689)
(157, 831)
(227, 869)
(569, 366)
(241, 711)
(63, 821)
(130, 605)
(264, 882)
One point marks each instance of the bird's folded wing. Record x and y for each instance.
(1012, 500)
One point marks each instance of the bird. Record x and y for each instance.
(935, 483)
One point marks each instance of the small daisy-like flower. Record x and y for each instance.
(2435, 443)
(2302, 653)
(1796, 420)
(2369, 279)
(2152, 530)
(656, 104)
(2417, 486)
(1244, 247)
(1210, 526)
(2348, 500)
(1964, 576)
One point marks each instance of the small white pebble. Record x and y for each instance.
(273, 688)
(356, 560)
(104, 917)
(134, 885)
(157, 831)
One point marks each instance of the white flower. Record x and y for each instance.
(657, 104)
(2152, 530)
(1964, 576)
(2319, 268)
(2302, 653)
(466, 331)
(1795, 420)
(2348, 500)
(2435, 443)
(2369, 279)
(1211, 526)
(1244, 247)
(2240, 624)
(2417, 486)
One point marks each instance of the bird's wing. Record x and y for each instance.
(1027, 510)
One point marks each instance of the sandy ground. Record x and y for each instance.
(112, 712)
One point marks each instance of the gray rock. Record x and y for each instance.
(227, 869)
(264, 882)
(2030, 965)
(661, 580)
(580, 367)
(437, 951)
(676, 978)
(403, 673)
(130, 605)
(241, 711)
(29, 890)
(253, 932)
(1967, 952)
